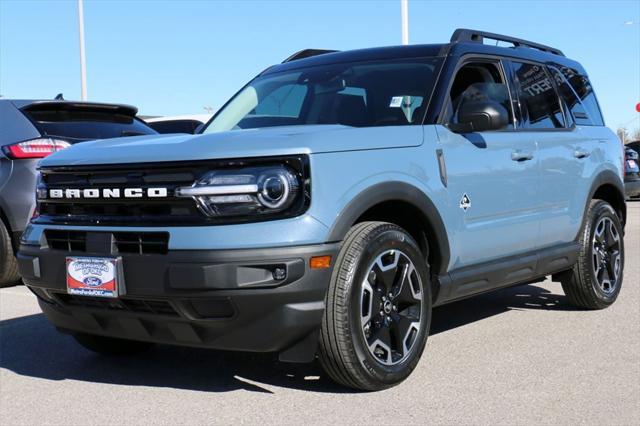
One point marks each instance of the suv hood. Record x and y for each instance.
(274, 141)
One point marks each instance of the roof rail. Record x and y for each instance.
(464, 34)
(307, 53)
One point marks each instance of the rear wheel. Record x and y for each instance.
(596, 279)
(111, 345)
(8, 264)
(378, 308)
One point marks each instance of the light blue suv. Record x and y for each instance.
(332, 202)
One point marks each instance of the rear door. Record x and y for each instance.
(562, 151)
(492, 176)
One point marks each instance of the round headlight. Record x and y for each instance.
(274, 190)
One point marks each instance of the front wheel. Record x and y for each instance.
(378, 308)
(596, 279)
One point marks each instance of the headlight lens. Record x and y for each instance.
(246, 191)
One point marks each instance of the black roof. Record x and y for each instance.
(463, 41)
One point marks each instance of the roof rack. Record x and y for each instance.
(307, 53)
(463, 34)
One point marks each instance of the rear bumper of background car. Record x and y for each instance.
(632, 188)
(222, 299)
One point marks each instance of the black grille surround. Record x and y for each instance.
(147, 211)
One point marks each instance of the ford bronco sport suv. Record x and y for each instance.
(332, 202)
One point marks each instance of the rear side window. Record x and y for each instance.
(79, 125)
(573, 103)
(583, 89)
(539, 102)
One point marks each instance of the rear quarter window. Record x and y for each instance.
(584, 90)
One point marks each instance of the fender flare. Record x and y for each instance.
(608, 177)
(397, 191)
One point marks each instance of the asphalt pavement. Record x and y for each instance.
(517, 356)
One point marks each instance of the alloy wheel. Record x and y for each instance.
(605, 249)
(391, 306)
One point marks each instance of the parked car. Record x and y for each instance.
(178, 124)
(29, 131)
(635, 145)
(332, 202)
(632, 174)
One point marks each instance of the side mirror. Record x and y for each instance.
(480, 116)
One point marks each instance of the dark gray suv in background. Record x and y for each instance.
(31, 130)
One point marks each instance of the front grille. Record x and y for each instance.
(138, 306)
(108, 242)
(144, 209)
(116, 211)
(66, 240)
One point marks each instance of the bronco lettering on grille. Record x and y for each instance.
(108, 193)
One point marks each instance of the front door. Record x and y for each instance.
(492, 176)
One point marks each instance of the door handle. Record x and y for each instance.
(521, 156)
(581, 153)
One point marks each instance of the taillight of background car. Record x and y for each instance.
(34, 148)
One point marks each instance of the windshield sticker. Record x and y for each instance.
(396, 102)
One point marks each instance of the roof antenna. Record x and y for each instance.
(58, 97)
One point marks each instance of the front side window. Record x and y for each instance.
(363, 94)
(539, 103)
(478, 81)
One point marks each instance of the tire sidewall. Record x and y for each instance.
(385, 239)
(6, 248)
(602, 210)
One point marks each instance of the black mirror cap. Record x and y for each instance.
(481, 116)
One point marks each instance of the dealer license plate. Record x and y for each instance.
(93, 276)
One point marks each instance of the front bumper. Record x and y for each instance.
(222, 299)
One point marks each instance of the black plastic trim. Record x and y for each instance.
(513, 270)
(608, 177)
(398, 191)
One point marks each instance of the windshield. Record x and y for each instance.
(389, 93)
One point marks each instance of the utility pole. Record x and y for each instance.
(83, 66)
(404, 11)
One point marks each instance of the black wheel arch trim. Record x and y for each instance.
(607, 177)
(398, 191)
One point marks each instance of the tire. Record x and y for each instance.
(352, 353)
(585, 285)
(111, 346)
(8, 264)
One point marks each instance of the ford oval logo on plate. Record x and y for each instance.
(93, 281)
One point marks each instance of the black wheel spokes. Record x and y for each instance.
(391, 305)
(606, 255)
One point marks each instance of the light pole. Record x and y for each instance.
(83, 67)
(404, 12)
